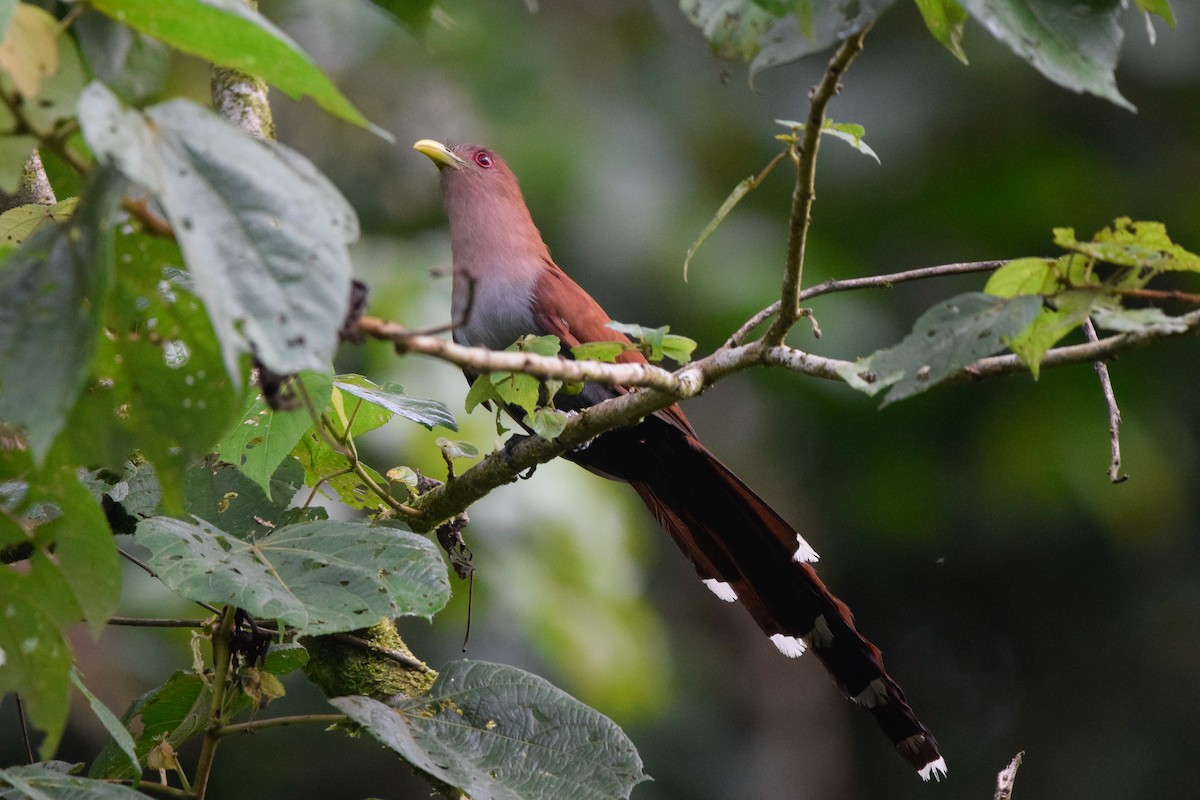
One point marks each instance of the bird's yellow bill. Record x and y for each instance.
(438, 153)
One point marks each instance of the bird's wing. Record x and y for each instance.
(564, 309)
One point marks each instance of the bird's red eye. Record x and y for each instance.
(484, 160)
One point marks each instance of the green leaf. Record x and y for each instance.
(229, 34)
(482, 391)
(678, 348)
(42, 783)
(50, 292)
(1074, 44)
(391, 396)
(498, 733)
(947, 21)
(1050, 325)
(110, 722)
(84, 552)
(457, 449)
(264, 437)
(849, 132)
(945, 339)
(329, 467)
(1024, 276)
(412, 14)
(760, 34)
(17, 224)
(226, 497)
(130, 63)
(265, 234)
(36, 659)
(540, 345)
(741, 190)
(547, 423)
(1160, 7)
(284, 658)
(1112, 317)
(1132, 244)
(318, 577)
(601, 351)
(517, 389)
(29, 50)
(157, 382)
(174, 712)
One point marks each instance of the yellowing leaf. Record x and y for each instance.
(29, 50)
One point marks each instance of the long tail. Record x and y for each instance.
(745, 551)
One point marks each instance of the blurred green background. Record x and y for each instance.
(1022, 601)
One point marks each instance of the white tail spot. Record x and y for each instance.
(721, 589)
(934, 769)
(804, 552)
(790, 646)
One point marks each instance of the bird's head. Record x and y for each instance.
(483, 201)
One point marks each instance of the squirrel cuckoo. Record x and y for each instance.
(506, 286)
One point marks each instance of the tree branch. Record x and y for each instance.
(805, 156)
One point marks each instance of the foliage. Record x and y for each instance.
(195, 253)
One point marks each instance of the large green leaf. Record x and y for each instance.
(263, 438)
(228, 499)
(38, 782)
(318, 577)
(770, 34)
(130, 63)
(1074, 43)
(944, 339)
(172, 713)
(51, 291)
(81, 543)
(36, 659)
(230, 34)
(158, 382)
(265, 234)
(499, 733)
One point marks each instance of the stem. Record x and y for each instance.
(280, 722)
(216, 709)
(151, 786)
(805, 157)
(140, 622)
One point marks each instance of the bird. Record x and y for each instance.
(506, 286)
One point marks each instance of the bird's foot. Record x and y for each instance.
(509, 444)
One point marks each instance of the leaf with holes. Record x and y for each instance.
(317, 577)
(265, 436)
(40, 782)
(499, 733)
(264, 233)
(945, 339)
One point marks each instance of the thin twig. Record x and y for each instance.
(140, 622)
(280, 722)
(403, 659)
(1114, 411)
(24, 725)
(886, 281)
(216, 708)
(805, 156)
(151, 786)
